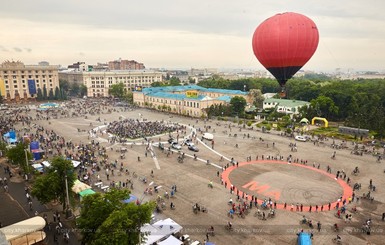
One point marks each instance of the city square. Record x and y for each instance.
(255, 163)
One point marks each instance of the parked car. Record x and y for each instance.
(176, 146)
(193, 148)
(188, 142)
(301, 138)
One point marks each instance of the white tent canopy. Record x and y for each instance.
(171, 240)
(167, 227)
(160, 230)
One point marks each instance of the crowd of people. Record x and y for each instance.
(135, 128)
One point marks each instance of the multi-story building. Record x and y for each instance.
(98, 82)
(191, 100)
(21, 82)
(125, 65)
(289, 107)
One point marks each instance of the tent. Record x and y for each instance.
(304, 121)
(80, 186)
(37, 154)
(167, 226)
(132, 198)
(151, 234)
(38, 167)
(86, 192)
(304, 238)
(46, 164)
(75, 163)
(171, 240)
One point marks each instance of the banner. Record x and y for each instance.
(31, 87)
(2, 87)
(192, 94)
(138, 88)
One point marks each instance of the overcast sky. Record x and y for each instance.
(185, 33)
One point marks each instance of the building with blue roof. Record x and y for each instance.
(190, 100)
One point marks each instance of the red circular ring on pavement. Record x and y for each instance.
(347, 190)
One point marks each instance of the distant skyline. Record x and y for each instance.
(185, 34)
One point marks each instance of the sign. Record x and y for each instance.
(31, 87)
(192, 94)
(138, 88)
(2, 87)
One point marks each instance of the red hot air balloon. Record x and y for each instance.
(284, 43)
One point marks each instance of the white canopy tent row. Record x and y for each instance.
(161, 232)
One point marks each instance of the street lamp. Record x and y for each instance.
(68, 211)
(26, 163)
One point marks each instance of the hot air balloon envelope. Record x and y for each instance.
(284, 43)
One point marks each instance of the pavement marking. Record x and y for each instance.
(154, 157)
(347, 190)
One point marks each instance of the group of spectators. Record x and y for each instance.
(134, 129)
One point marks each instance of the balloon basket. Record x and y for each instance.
(282, 94)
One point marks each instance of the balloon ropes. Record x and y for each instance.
(284, 43)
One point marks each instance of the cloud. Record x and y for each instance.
(18, 50)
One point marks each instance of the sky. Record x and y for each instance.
(184, 34)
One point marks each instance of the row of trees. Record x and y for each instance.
(235, 108)
(72, 89)
(357, 103)
(42, 94)
(120, 91)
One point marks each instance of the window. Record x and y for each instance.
(15, 86)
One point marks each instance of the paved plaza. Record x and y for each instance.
(255, 163)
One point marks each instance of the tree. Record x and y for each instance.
(51, 185)
(75, 88)
(128, 97)
(1, 99)
(17, 156)
(106, 219)
(238, 104)
(116, 90)
(174, 81)
(57, 93)
(83, 90)
(64, 85)
(39, 95)
(257, 97)
(44, 92)
(325, 105)
(51, 96)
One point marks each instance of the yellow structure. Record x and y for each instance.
(192, 94)
(320, 118)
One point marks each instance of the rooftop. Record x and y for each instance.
(286, 103)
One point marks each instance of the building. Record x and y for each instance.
(98, 82)
(21, 82)
(190, 100)
(125, 65)
(284, 106)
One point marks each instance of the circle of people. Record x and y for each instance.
(134, 129)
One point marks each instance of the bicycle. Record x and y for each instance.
(337, 241)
